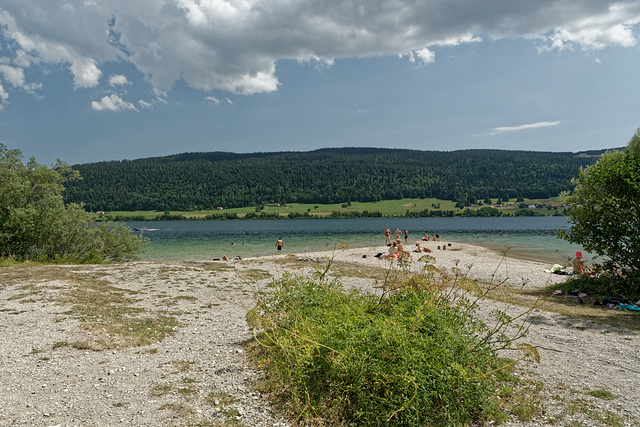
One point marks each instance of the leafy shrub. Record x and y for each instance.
(603, 285)
(36, 224)
(416, 356)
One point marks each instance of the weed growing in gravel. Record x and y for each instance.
(29, 291)
(182, 365)
(35, 351)
(220, 398)
(602, 394)
(525, 407)
(110, 312)
(160, 390)
(254, 274)
(179, 410)
(414, 356)
(187, 392)
(606, 418)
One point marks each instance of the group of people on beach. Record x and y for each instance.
(396, 247)
(398, 233)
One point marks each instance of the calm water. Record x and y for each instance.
(530, 237)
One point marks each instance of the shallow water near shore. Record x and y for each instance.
(531, 238)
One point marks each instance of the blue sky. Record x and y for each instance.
(86, 81)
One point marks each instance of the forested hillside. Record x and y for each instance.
(194, 181)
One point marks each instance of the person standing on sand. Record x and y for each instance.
(406, 235)
(387, 236)
(578, 264)
(279, 244)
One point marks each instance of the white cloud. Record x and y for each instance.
(611, 27)
(112, 103)
(233, 45)
(504, 129)
(144, 104)
(13, 75)
(4, 97)
(161, 96)
(85, 73)
(213, 100)
(118, 80)
(424, 55)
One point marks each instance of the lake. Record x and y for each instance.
(529, 237)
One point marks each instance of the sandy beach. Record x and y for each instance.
(60, 367)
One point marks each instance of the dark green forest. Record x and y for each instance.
(194, 181)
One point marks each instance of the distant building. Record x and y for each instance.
(219, 208)
(100, 212)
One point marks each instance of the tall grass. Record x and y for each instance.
(414, 356)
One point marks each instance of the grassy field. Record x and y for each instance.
(388, 208)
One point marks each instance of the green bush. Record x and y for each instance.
(416, 356)
(36, 224)
(603, 285)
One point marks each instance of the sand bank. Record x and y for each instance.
(476, 262)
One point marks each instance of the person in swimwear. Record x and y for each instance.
(393, 251)
(279, 244)
(387, 236)
(578, 264)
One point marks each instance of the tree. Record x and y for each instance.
(36, 224)
(605, 208)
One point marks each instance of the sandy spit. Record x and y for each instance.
(199, 374)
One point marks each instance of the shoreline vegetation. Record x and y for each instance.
(168, 343)
(402, 208)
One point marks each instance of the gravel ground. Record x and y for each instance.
(198, 375)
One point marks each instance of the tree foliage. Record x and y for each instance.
(605, 216)
(36, 224)
(194, 181)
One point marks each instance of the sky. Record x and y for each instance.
(92, 80)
